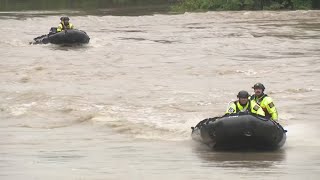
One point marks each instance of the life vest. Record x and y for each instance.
(62, 27)
(69, 26)
(247, 108)
(251, 107)
(261, 101)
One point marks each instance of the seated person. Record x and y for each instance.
(244, 105)
(264, 101)
(64, 24)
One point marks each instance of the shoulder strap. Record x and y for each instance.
(249, 106)
(63, 26)
(237, 108)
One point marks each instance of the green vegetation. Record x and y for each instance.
(180, 5)
(316, 4)
(205, 5)
(18, 5)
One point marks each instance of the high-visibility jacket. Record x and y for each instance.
(267, 105)
(62, 27)
(251, 106)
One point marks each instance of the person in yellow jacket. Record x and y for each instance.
(244, 105)
(64, 24)
(264, 101)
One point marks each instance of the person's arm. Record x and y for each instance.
(256, 109)
(59, 29)
(271, 108)
(231, 109)
(71, 26)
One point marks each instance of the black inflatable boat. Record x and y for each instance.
(239, 132)
(71, 36)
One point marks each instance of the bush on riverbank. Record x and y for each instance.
(204, 5)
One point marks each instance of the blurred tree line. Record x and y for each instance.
(316, 4)
(193, 5)
(16, 5)
(9, 5)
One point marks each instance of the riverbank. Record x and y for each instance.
(148, 7)
(122, 106)
(207, 5)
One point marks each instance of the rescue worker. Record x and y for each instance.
(64, 24)
(244, 106)
(264, 101)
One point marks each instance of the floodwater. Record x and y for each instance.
(122, 106)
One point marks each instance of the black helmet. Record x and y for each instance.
(259, 86)
(243, 94)
(64, 18)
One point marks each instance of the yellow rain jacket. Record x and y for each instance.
(62, 27)
(251, 107)
(267, 105)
